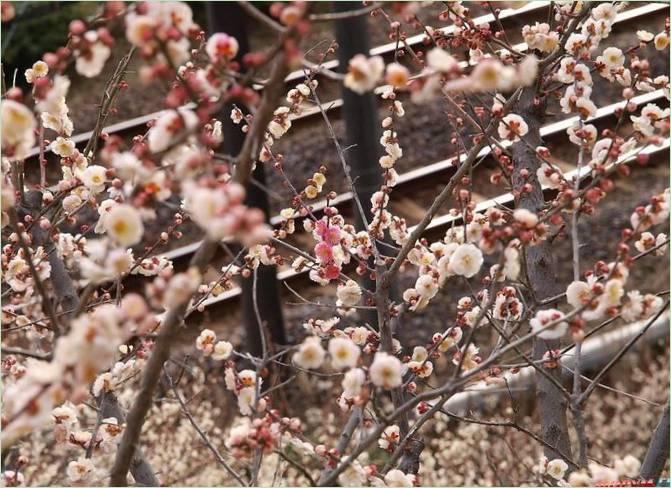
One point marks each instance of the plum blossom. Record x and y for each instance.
(81, 472)
(439, 60)
(390, 436)
(92, 58)
(94, 178)
(661, 41)
(577, 293)
(492, 75)
(448, 339)
(467, 356)
(246, 400)
(541, 37)
(512, 127)
(168, 126)
(221, 213)
(466, 260)
(629, 466)
(397, 75)
(363, 74)
(221, 47)
(18, 126)
(576, 44)
(222, 350)
(63, 146)
(310, 354)
(543, 319)
(526, 218)
(38, 70)
(344, 353)
(11, 477)
(349, 294)
(645, 36)
(612, 58)
(181, 287)
(585, 135)
(556, 468)
(648, 241)
(549, 176)
(205, 341)
(124, 225)
(166, 22)
(396, 477)
(386, 371)
(353, 382)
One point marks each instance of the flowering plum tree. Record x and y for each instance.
(87, 361)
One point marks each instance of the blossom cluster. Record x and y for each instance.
(98, 215)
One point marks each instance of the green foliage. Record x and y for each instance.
(38, 28)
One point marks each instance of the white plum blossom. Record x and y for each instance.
(448, 339)
(181, 287)
(363, 74)
(541, 324)
(577, 293)
(526, 218)
(205, 341)
(91, 62)
(397, 75)
(63, 146)
(612, 58)
(548, 176)
(661, 41)
(492, 75)
(629, 466)
(512, 127)
(556, 468)
(576, 44)
(124, 225)
(386, 371)
(344, 353)
(541, 37)
(81, 472)
(310, 354)
(38, 70)
(18, 126)
(349, 294)
(588, 134)
(246, 400)
(353, 382)
(222, 350)
(390, 436)
(466, 260)
(168, 126)
(397, 478)
(94, 178)
(439, 60)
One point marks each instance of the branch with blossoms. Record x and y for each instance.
(82, 334)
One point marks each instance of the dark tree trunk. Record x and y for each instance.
(658, 450)
(540, 268)
(228, 17)
(362, 132)
(362, 127)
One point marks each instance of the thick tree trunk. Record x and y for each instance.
(658, 450)
(540, 268)
(362, 128)
(140, 468)
(228, 17)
